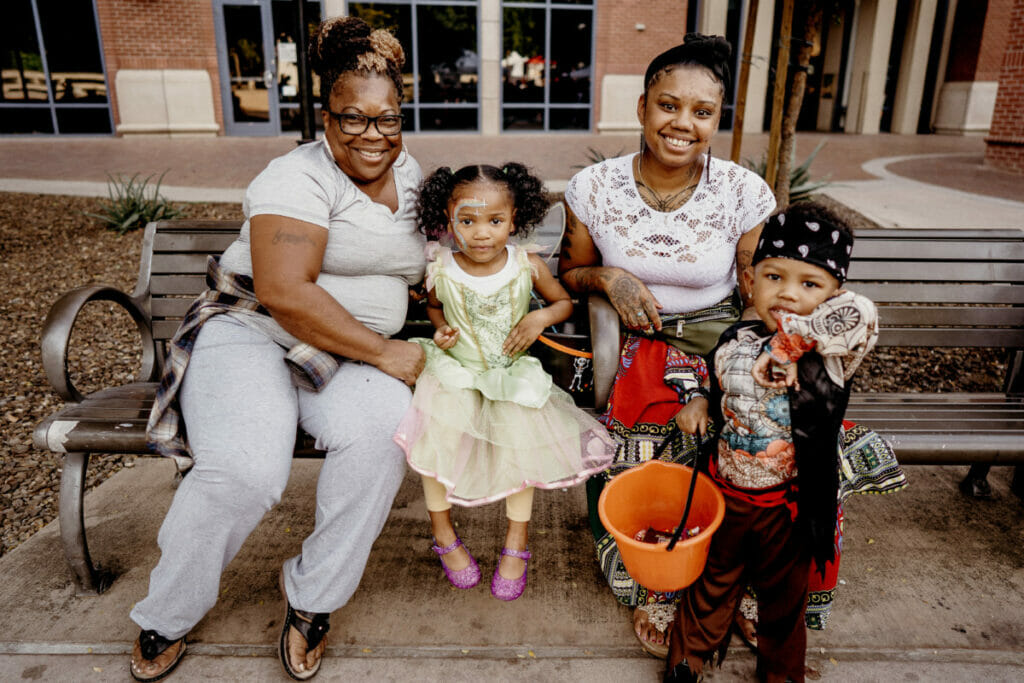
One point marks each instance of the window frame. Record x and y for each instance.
(412, 109)
(546, 105)
(51, 104)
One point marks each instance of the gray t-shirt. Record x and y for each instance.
(372, 254)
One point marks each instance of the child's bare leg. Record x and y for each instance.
(515, 539)
(518, 509)
(441, 528)
(444, 535)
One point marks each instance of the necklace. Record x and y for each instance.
(670, 201)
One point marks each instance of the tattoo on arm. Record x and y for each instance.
(625, 294)
(281, 237)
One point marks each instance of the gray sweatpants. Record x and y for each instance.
(241, 408)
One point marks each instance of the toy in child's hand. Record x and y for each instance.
(771, 375)
(652, 535)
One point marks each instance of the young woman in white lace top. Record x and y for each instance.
(662, 234)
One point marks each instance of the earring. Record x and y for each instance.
(709, 164)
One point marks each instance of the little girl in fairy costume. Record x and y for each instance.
(486, 421)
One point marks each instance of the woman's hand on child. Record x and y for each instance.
(693, 418)
(771, 375)
(445, 337)
(524, 334)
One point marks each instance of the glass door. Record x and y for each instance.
(248, 76)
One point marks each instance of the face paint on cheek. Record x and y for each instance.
(472, 203)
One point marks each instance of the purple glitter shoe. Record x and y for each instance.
(509, 589)
(461, 578)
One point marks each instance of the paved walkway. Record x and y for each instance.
(932, 583)
(896, 180)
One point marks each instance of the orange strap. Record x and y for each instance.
(564, 349)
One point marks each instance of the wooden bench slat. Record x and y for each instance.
(190, 285)
(932, 337)
(206, 243)
(933, 293)
(955, 316)
(949, 250)
(179, 263)
(928, 271)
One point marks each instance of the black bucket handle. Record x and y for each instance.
(703, 455)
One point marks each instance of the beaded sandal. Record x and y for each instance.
(509, 589)
(660, 615)
(460, 578)
(151, 645)
(313, 626)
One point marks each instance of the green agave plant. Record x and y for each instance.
(131, 205)
(801, 187)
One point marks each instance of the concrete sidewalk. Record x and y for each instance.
(895, 180)
(932, 589)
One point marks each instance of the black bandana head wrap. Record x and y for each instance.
(807, 233)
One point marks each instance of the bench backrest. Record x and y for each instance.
(172, 271)
(943, 287)
(933, 287)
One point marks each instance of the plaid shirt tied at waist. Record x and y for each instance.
(228, 292)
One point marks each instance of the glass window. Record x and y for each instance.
(286, 52)
(570, 56)
(522, 66)
(26, 120)
(448, 68)
(72, 51)
(55, 64)
(444, 69)
(21, 62)
(547, 48)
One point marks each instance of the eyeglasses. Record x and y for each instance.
(357, 124)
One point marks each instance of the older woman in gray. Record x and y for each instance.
(323, 264)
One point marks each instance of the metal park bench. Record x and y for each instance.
(172, 272)
(933, 288)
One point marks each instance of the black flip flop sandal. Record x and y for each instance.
(312, 625)
(151, 645)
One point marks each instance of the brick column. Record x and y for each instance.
(1004, 146)
(161, 62)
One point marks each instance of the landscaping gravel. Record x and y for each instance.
(49, 247)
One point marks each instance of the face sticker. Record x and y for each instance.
(471, 203)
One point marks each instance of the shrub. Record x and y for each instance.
(131, 206)
(801, 187)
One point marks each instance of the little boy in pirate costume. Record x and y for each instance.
(779, 387)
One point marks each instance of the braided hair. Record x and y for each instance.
(711, 52)
(528, 196)
(348, 45)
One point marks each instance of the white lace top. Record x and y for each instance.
(687, 257)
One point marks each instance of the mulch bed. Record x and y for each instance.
(49, 247)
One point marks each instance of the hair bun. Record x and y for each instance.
(387, 46)
(338, 40)
(718, 48)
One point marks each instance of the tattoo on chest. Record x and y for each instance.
(666, 203)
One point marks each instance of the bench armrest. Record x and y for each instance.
(60, 322)
(604, 341)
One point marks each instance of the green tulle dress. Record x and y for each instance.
(484, 424)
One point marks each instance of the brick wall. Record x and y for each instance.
(621, 49)
(1004, 146)
(159, 34)
(993, 40)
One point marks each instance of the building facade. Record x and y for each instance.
(230, 67)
